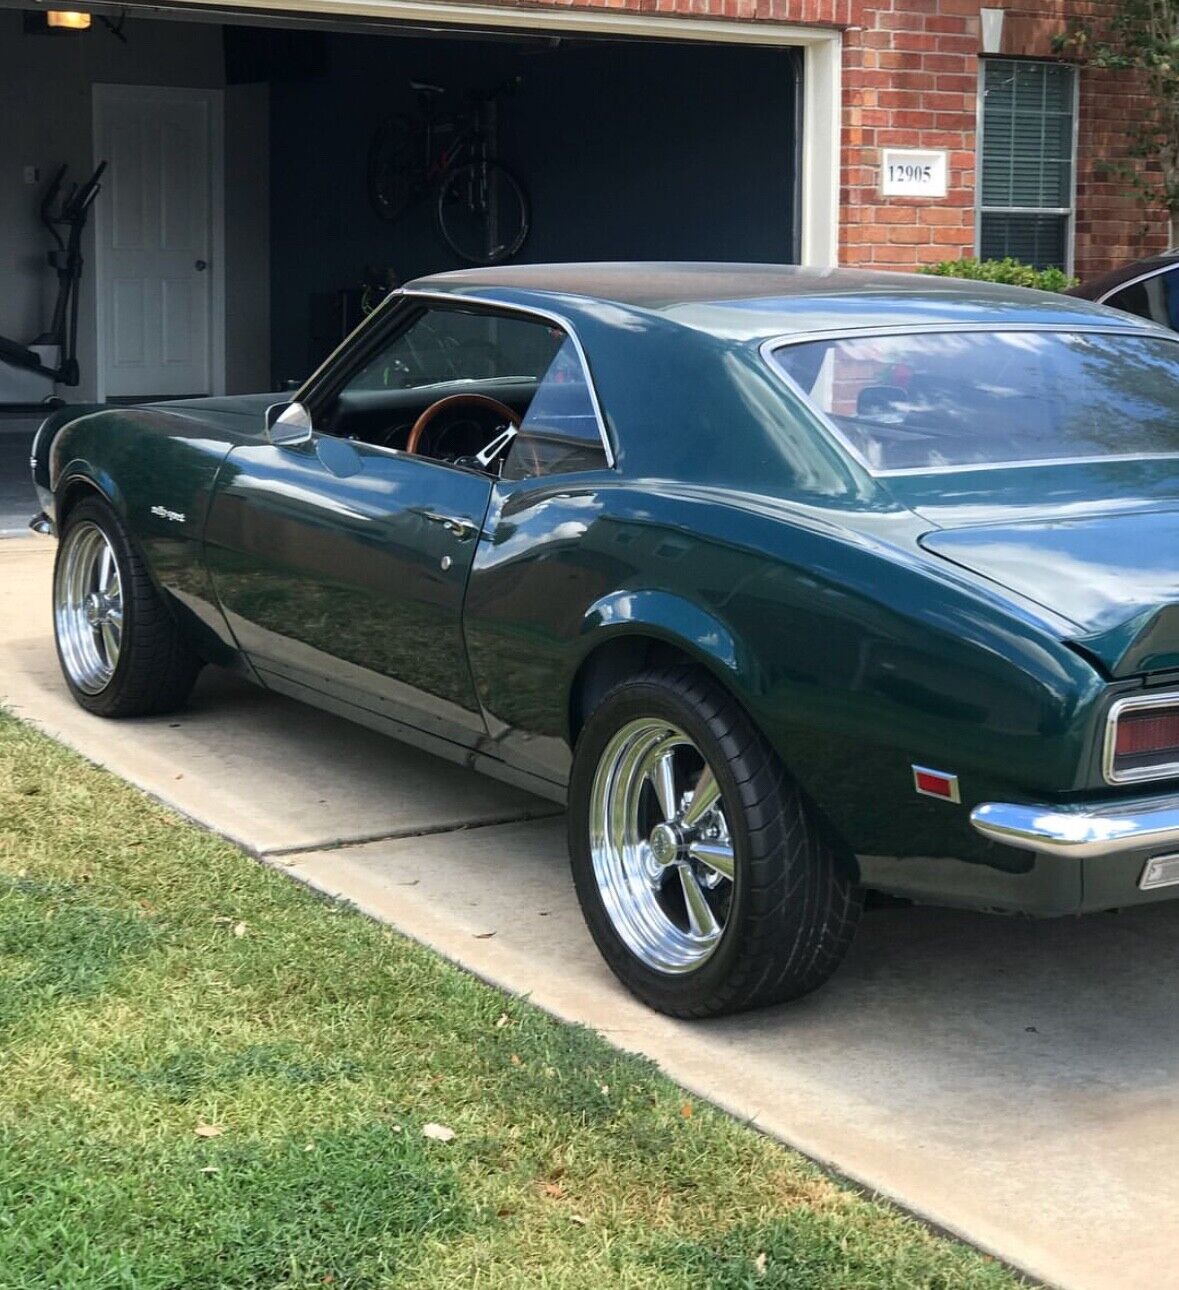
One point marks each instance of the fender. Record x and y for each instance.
(42, 446)
(158, 481)
(79, 470)
(671, 618)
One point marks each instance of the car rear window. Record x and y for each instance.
(928, 400)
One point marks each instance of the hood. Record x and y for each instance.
(235, 405)
(1115, 576)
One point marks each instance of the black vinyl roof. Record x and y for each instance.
(763, 300)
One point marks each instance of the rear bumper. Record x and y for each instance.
(1084, 832)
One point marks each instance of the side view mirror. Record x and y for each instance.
(288, 423)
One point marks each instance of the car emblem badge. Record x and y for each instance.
(177, 517)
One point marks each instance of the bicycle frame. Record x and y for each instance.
(470, 144)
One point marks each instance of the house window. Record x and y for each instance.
(1026, 174)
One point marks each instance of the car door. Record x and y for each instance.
(341, 564)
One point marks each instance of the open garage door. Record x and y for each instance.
(626, 140)
(623, 150)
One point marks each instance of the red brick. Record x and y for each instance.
(911, 235)
(894, 255)
(935, 254)
(896, 215)
(894, 61)
(946, 26)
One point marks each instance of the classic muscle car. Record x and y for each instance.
(796, 585)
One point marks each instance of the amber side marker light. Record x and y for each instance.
(1145, 743)
(67, 20)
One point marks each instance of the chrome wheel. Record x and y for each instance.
(660, 844)
(88, 608)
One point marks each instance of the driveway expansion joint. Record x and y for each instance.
(399, 835)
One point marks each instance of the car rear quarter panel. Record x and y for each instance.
(855, 656)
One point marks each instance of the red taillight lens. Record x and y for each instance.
(1146, 738)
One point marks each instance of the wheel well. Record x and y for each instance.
(623, 656)
(75, 491)
(611, 662)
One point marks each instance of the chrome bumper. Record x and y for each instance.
(43, 524)
(1083, 833)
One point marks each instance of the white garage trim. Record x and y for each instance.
(822, 83)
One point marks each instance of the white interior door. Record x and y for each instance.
(155, 234)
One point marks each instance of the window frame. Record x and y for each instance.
(396, 314)
(1069, 211)
(826, 424)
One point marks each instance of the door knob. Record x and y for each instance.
(201, 266)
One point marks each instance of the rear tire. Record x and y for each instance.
(121, 651)
(776, 929)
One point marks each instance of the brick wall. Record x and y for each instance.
(911, 80)
(1112, 225)
(911, 72)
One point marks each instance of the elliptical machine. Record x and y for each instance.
(28, 373)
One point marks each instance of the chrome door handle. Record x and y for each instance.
(456, 524)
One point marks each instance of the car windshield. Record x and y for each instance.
(942, 399)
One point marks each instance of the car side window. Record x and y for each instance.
(1156, 298)
(560, 431)
(445, 384)
(445, 345)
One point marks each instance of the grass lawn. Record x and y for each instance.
(209, 1077)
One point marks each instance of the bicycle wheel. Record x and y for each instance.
(395, 175)
(482, 212)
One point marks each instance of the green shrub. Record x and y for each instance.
(1010, 271)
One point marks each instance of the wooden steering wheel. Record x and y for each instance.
(413, 443)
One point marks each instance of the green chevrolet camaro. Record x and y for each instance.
(798, 586)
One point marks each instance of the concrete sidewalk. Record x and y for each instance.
(1016, 1082)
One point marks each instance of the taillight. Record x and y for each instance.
(1143, 740)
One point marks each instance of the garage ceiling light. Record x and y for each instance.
(67, 21)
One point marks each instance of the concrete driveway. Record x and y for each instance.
(1016, 1082)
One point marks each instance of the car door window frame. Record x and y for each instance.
(398, 314)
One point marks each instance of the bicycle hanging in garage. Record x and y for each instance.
(480, 207)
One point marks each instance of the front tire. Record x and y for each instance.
(705, 877)
(120, 649)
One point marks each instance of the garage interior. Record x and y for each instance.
(250, 142)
